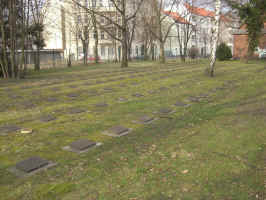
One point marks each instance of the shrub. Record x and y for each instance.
(193, 52)
(223, 52)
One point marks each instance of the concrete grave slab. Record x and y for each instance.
(137, 95)
(73, 95)
(52, 99)
(117, 131)
(122, 99)
(8, 129)
(145, 120)
(101, 105)
(165, 111)
(77, 110)
(47, 118)
(181, 104)
(73, 86)
(30, 166)
(81, 146)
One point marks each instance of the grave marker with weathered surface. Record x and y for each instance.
(31, 164)
(117, 131)
(47, 118)
(7, 129)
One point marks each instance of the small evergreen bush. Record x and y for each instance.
(223, 52)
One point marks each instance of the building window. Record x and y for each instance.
(93, 3)
(102, 35)
(137, 51)
(102, 51)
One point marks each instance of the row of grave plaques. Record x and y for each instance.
(35, 164)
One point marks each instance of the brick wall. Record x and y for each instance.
(241, 45)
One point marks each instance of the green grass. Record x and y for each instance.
(214, 149)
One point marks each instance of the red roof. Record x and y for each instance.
(176, 17)
(199, 11)
(203, 12)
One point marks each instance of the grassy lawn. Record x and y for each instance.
(211, 149)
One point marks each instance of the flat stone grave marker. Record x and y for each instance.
(98, 82)
(194, 99)
(52, 99)
(47, 118)
(138, 95)
(165, 111)
(145, 119)
(25, 87)
(76, 110)
(122, 99)
(55, 89)
(163, 88)
(73, 86)
(87, 83)
(14, 96)
(181, 104)
(122, 85)
(28, 105)
(117, 131)
(101, 105)
(152, 91)
(36, 93)
(135, 83)
(73, 95)
(30, 166)
(108, 89)
(203, 96)
(81, 146)
(7, 129)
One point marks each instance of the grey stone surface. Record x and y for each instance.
(194, 99)
(122, 99)
(73, 95)
(4, 130)
(47, 118)
(82, 144)
(137, 95)
(180, 104)
(31, 164)
(146, 119)
(163, 88)
(165, 110)
(76, 110)
(101, 105)
(52, 99)
(28, 105)
(118, 130)
(73, 86)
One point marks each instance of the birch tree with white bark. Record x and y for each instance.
(215, 37)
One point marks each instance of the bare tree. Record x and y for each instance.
(160, 25)
(125, 12)
(215, 38)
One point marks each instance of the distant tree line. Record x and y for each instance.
(21, 27)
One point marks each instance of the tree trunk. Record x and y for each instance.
(3, 58)
(37, 60)
(96, 38)
(85, 52)
(124, 62)
(215, 37)
(162, 56)
(96, 48)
